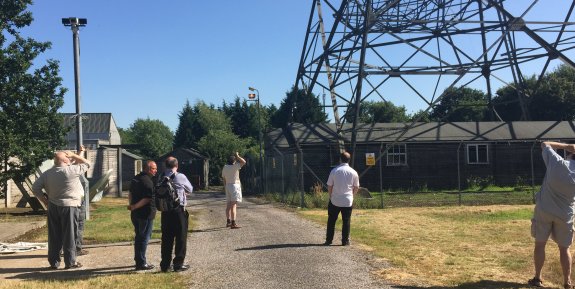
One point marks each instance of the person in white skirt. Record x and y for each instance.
(233, 187)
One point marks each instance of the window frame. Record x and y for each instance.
(477, 154)
(391, 154)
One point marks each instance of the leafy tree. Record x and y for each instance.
(197, 121)
(420, 115)
(126, 136)
(304, 108)
(30, 96)
(552, 99)
(185, 134)
(153, 136)
(381, 111)
(461, 104)
(218, 145)
(246, 120)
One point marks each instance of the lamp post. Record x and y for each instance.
(75, 23)
(256, 97)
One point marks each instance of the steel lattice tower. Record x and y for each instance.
(395, 50)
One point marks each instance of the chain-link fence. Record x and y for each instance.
(298, 177)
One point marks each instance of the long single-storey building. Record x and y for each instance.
(398, 156)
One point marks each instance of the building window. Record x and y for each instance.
(397, 155)
(477, 154)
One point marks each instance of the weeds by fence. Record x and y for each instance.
(502, 196)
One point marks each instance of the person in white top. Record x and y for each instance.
(342, 185)
(233, 187)
(554, 207)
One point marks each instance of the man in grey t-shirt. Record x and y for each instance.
(554, 207)
(63, 198)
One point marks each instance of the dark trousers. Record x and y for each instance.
(174, 228)
(80, 227)
(143, 232)
(332, 214)
(62, 234)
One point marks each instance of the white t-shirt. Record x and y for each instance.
(231, 173)
(557, 195)
(343, 178)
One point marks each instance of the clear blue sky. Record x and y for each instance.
(146, 58)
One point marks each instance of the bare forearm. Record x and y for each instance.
(139, 204)
(558, 145)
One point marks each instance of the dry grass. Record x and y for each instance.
(453, 247)
(132, 281)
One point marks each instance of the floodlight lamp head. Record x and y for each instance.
(251, 88)
(74, 21)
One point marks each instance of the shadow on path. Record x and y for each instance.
(209, 230)
(279, 246)
(62, 274)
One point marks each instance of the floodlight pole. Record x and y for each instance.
(257, 99)
(75, 23)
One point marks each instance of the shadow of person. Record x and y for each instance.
(279, 246)
(62, 274)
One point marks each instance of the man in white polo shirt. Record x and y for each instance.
(342, 185)
(554, 207)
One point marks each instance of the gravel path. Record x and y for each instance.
(274, 249)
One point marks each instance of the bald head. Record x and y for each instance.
(171, 162)
(345, 157)
(61, 159)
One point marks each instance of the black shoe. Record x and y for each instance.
(327, 243)
(164, 270)
(145, 267)
(53, 267)
(75, 266)
(182, 268)
(345, 243)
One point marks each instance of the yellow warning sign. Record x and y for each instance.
(370, 159)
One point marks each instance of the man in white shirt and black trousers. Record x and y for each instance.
(342, 185)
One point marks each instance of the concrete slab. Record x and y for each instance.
(9, 231)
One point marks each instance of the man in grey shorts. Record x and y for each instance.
(233, 187)
(554, 207)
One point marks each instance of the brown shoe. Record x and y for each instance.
(234, 226)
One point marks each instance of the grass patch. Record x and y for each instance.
(132, 281)
(451, 247)
(110, 222)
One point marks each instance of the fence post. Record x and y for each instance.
(459, 174)
(381, 174)
(283, 190)
(302, 191)
(532, 173)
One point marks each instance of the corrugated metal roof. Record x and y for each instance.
(427, 132)
(92, 123)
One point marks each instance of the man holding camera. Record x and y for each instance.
(554, 207)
